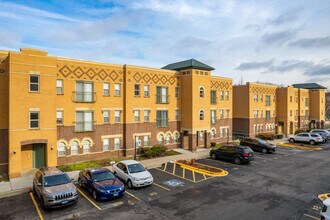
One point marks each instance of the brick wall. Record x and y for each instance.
(4, 150)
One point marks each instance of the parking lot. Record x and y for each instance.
(282, 185)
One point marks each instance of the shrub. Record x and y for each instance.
(279, 136)
(213, 144)
(154, 151)
(298, 131)
(266, 136)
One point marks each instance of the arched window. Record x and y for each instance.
(61, 149)
(212, 134)
(201, 115)
(74, 148)
(160, 139)
(168, 138)
(86, 147)
(176, 137)
(201, 92)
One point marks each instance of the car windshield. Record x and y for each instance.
(98, 177)
(135, 168)
(56, 180)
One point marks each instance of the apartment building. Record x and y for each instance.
(58, 110)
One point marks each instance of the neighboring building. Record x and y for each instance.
(57, 110)
(254, 109)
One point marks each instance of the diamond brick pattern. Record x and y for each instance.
(263, 90)
(146, 78)
(219, 85)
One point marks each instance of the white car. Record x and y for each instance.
(132, 173)
(325, 212)
(312, 138)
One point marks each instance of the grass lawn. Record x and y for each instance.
(166, 154)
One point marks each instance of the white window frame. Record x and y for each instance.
(201, 135)
(146, 91)
(117, 116)
(117, 144)
(136, 115)
(72, 150)
(59, 87)
(221, 95)
(117, 89)
(106, 116)
(221, 114)
(34, 120)
(146, 140)
(201, 115)
(201, 92)
(227, 113)
(106, 144)
(137, 90)
(61, 149)
(59, 117)
(167, 139)
(87, 146)
(106, 89)
(177, 114)
(146, 114)
(227, 95)
(177, 92)
(34, 83)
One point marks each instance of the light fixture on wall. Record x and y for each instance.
(52, 148)
(14, 152)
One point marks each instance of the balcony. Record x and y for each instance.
(162, 122)
(84, 126)
(162, 99)
(84, 97)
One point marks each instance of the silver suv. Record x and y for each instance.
(54, 188)
(312, 138)
(324, 133)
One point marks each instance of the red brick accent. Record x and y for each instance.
(245, 125)
(4, 146)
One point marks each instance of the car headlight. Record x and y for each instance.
(49, 196)
(136, 179)
(102, 191)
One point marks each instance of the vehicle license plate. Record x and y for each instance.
(115, 194)
(65, 202)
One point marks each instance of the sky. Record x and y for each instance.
(274, 41)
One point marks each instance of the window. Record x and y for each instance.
(213, 116)
(290, 98)
(106, 144)
(290, 112)
(258, 128)
(306, 113)
(168, 139)
(306, 102)
(117, 143)
(177, 92)
(34, 119)
(212, 134)
(296, 99)
(221, 95)
(106, 116)
(221, 133)
(201, 92)
(177, 115)
(267, 114)
(161, 118)
(213, 97)
(221, 113)
(59, 117)
(267, 127)
(297, 112)
(117, 89)
(201, 135)
(227, 95)
(227, 113)
(117, 116)
(254, 129)
(59, 86)
(261, 128)
(84, 92)
(34, 83)
(162, 94)
(136, 90)
(146, 140)
(146, 90)
(86, 147)
(227, 132)
(137, 141)
(261, 113)
(255, 113)
(176, 137)
(106, 89)
(146, 115)
(84, 121)
(261, 98)
(137, 116)
(74, 148)
(160, 139)
(61, 149)
(201, 115)
(255, 98)
(267, 100)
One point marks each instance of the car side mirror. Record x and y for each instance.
(72, 179)
(125, 171)
(39, 184)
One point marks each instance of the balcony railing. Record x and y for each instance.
(83, 126)
(213, 100)
(162, 99)
(84, 96)
(162, 123)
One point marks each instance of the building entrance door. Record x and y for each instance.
(291, 127)
(38, 155)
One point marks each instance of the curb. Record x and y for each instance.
(14, 192)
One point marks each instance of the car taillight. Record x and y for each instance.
(322, 217)
(245, 154)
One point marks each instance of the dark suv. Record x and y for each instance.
(238, 154)
(258, 145)
(54, 188)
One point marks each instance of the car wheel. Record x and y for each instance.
(237, 160)
(129, 184)
(80, 183)
(312, 142)
(291, 140)
(94, 195)
(264, 150)
(213, 156)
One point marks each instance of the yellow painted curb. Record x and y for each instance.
(221, 172)
(299, 147)
(324, 196)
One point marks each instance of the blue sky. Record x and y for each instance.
(280, 41)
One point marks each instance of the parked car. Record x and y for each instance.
(325, 212)
(238, 154)
(54, 188)
(324, 133)
(132, 173)
(257, 144)
(101, 183)
(311, 138)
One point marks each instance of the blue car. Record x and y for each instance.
(101, 183)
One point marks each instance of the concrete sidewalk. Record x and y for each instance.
(23, 184)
